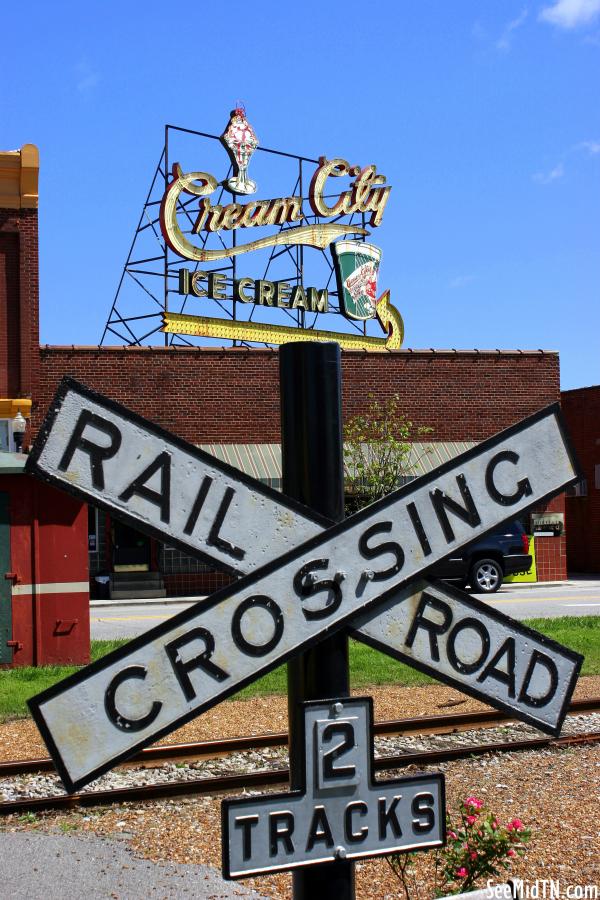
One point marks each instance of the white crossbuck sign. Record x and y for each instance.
(303, 580)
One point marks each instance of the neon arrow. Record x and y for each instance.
(201, 326)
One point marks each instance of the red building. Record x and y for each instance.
(44, 592)
(582, 413)
(226, 400)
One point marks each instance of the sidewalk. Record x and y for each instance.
(574, 580)
(146, 601)
(36, 866)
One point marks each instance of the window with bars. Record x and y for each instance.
(172, 561)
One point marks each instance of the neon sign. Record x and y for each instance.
(356, 263)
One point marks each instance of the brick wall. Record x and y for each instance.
(463, 395)
(582, 413)
(9, 314)
(19, 326)
(231, 395)
(551, 552)
(29, 283)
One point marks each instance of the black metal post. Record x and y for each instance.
(311, 439)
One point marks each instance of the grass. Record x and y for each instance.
(580, 633)
(368, 667)
(17, 685)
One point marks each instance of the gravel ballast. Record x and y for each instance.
(555, 791)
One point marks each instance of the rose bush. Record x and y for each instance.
(477, 847)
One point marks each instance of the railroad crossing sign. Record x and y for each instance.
(341, 813)
(304, 583)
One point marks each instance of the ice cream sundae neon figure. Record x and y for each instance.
(241, 142)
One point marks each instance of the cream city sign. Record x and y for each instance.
(356, 263)
(247, 290)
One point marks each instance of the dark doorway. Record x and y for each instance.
(131, 550)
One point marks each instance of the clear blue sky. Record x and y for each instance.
(484, 116)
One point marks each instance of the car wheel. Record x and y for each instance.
(486, 576)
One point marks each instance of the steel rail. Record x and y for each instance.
(264, 778)
(420, 725)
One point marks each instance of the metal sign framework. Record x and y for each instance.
(148, 286)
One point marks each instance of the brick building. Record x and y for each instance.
(19, 290)
(582, 413)
(44, 587)
(227, 399)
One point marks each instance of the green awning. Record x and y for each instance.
(263, 461)
(424, 457)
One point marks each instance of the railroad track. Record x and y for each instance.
(166, 753)
(422, 725)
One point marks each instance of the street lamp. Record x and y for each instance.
(19, 424)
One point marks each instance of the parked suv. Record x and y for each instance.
(484, 564)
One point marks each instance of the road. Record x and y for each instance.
(577, 597)
(569, 599)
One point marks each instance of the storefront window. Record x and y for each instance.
(96, 541)
(4, 435)
(172, 561)
(92, 529)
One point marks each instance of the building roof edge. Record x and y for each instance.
(409, 351)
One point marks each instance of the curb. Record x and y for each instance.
(163, 601)
(589, 583)
(522, 585)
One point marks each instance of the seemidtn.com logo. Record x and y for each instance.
(543, 889)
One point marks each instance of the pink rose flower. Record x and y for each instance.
(471, 820)
(474, 802)
(452, 835)
(515, 825)
(495, 824)
(461, 873)
(511, 852)
(473, 854)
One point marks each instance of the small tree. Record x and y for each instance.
(378, 451)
